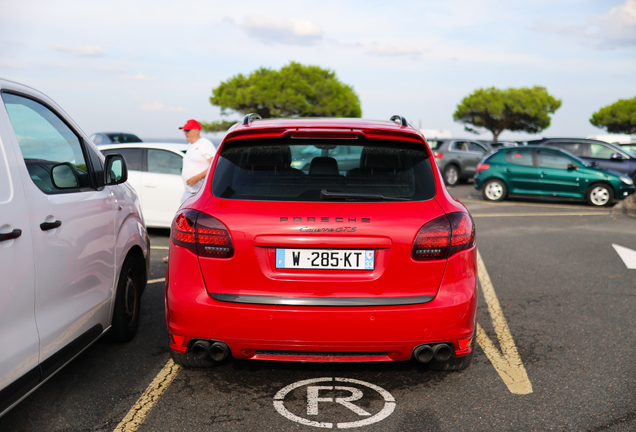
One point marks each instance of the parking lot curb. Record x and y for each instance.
(627, 206)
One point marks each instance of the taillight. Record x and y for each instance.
(444, 237)
(202, 234)
(481, 167)
(438, 155)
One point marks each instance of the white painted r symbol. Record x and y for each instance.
(313, 398)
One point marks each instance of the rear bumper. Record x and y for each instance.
(299, 333)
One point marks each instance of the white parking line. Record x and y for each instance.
(140, 410)
(159, 247)
(507, 363)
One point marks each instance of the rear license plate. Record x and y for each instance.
(325, 259)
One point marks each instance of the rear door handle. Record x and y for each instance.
(10, 236)
(45, 226)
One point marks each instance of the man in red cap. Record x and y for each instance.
(197, 159)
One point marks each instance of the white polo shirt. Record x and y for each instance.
(195, 162)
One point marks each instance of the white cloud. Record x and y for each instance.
(85, 51)
(618, 26)
(394, 50)
(149, 104)
(7, 65)
(615, 28)
(138, 77)
(109, 69)
(272, 30)
(158, 106)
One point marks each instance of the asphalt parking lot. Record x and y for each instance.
(555, 351)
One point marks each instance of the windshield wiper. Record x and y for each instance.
(326, 195)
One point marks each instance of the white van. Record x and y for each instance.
(74, 251)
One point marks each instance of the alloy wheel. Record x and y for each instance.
(494, 191)
(599, 196)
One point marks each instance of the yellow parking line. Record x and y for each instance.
(151, 281)
(159, 247)
(477, 215)
(140, 410)
(507, 363)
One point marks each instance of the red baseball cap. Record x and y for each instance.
(191, 124)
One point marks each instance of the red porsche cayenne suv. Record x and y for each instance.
(361, 255)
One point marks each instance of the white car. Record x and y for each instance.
(74, 251)
(154, 171)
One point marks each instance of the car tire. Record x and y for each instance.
(451, 175)
(599, 195)
(494, 190)
(127, 302)
(188, 360)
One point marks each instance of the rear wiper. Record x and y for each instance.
(326, 195)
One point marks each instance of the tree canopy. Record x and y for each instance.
(514, 109)
(293, 91)
(619, 117)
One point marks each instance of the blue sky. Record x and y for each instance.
(147, 66)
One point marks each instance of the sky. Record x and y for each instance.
(147, 66)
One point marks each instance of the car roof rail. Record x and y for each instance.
(400, 120)
(250, 118)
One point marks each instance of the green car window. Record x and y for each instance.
(547, 159)
(519, 157)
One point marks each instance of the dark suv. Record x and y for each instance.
(606, 155)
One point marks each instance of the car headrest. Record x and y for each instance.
(269, 158)
(379, 160)
(324, 166)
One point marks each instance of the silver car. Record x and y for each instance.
(457, 159)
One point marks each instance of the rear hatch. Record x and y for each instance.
(323, 222)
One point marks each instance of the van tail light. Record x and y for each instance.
(438, 155)
(202, 234)
(443, 237)
(481, 167)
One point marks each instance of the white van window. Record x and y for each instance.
(45, 141)
(164, 162)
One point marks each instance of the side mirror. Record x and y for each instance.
(64, 176)
(572, 167)
(616, 157)
(115, 170)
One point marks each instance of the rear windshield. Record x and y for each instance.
(122, 138)
(323, 170)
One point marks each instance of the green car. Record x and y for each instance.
(541, 171)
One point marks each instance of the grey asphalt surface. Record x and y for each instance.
(568, 299)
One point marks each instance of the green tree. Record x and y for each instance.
(619, 117)
(523, 109)
(293, 91)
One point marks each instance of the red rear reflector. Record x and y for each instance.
(463, 344)
(481, 167)
(323, 136)
(202, 234)
(178, 340)
(444, 237)
(438, 155)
